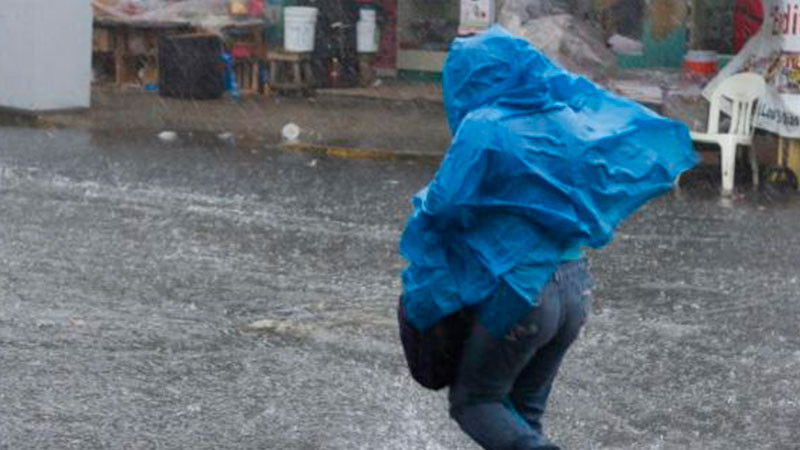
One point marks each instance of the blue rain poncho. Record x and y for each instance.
(542, 162)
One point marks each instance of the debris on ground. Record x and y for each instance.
(576, 44)
(168, 136)
(291, 132)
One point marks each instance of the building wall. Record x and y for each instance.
(45, 56)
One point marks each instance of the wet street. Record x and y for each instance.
(208, 294)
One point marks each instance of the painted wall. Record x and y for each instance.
(45, 56)
(665, 32)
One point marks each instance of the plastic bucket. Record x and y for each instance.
(700, 62)
(299, 25)
(367, 15)
(366, 36)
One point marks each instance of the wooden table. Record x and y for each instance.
(290, 71)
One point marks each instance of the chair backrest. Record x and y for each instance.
(743, 92)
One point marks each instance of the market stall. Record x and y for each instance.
(128, 33)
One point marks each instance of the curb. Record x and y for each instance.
(359, 153)
(334, 94)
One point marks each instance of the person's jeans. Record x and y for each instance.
(502, 386)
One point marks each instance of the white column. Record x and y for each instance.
(46, 54)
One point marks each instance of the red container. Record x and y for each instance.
(241, 51)
(700, 62)
(256, 8)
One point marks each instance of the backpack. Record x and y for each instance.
(433, 356)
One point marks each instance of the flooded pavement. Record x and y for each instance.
(130, 269)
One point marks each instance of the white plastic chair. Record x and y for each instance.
(743, 92)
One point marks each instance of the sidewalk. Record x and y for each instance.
(392, 90)
(344, 125)
(388, 119)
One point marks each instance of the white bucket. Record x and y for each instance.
(366, 32)
(299, 25)
(367, 15)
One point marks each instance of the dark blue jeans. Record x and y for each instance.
(502, 386)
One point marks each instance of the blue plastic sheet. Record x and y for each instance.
(231, 85)
(542, 162)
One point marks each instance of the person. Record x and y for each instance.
(542, 164)
(503, 385)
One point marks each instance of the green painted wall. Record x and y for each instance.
(667, 52)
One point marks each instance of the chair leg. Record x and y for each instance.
(754, 166)
(728, 163)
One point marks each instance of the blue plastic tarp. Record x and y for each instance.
(542, 162)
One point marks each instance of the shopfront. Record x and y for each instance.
(426, 29)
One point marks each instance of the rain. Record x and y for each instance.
(223, 273)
